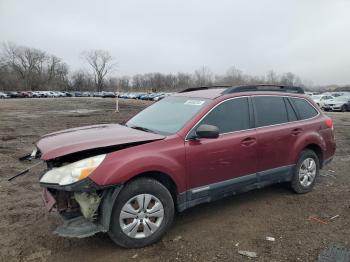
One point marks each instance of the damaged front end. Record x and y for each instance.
(67, 189)
(85, 212)
(69, 157)
(78, 199)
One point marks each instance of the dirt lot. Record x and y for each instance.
(210, 232)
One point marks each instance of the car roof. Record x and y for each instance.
(207, 93)
(212, 92)
(217, 92)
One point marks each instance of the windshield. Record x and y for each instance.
(168, 115)
(342, 98)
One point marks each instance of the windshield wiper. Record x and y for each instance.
(143, 129)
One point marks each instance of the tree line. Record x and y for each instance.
(26, 68)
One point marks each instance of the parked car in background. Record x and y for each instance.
(189, 148)
(77, 94)
(312, 93)
(4, 95)
(139, 95)
(97, 94)
(122, 95)
(157, 98)
(132, 95)
(36, 94)
(48, 94)
(340, 103)
(25, 94)
(60, 94)
(12, 94)
(321, 99)
(105, 94)
(86, 94)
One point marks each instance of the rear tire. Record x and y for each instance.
(151, 220)
(305, 172)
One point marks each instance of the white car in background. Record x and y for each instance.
(321, 99)
(340, 103)
(4, 95)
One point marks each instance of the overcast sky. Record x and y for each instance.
(310, 38)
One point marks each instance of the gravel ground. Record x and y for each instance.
(209, 232)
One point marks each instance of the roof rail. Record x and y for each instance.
(263, 87)
(203, 88)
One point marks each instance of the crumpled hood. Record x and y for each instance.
(90, 137)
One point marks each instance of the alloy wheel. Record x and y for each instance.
(141, 216)
(307, 172)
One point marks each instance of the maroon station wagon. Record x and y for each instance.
(193, 147)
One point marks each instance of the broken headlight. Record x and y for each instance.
(73, 172)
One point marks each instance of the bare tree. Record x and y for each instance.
(81, 81)
(184, 80)
(290, 79)
(233, 76)
(26, 62)
(203, 76)
(25, 68)
(272, 77)
(101, 63)
(123, 83)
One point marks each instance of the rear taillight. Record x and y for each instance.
(329, 123)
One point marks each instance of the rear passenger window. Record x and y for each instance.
(230, 116)
(270, 110)
(305, 109)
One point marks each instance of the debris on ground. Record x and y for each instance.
(318, 220)
(334, 217)
(247, 253)
(177, 238)
(327, 175)
(134, 256)
(270, 239)
(237, 244)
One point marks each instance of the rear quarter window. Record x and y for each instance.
(305, 109)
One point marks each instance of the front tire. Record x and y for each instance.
(343, 108)
(305, 172)
(142, 213)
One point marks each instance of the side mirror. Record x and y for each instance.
(207, 131)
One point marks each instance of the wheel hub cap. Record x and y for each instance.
(141, 216)
(307, 172)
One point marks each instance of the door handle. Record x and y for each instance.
(296, 131)
(248, 141)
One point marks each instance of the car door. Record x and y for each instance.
(218, 166)
(275, 136)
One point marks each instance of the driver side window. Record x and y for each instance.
(229, 116)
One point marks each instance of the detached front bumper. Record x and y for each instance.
(85, 206)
